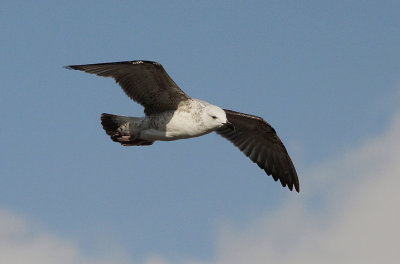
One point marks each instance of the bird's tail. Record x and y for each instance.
(118, 128)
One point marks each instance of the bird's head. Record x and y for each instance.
(216, 117)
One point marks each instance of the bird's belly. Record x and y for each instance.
(153, 134)
(180, 126)
(186, 133)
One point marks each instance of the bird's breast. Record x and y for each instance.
(185, 124)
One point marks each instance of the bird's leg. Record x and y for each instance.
(123, 134)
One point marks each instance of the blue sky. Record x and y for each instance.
(325, 74)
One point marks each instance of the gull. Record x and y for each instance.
(170, 114)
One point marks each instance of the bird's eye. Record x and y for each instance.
(214, 117)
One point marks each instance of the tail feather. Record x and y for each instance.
(109, 123)
(117, 127)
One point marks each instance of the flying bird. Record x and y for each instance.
(170, 114)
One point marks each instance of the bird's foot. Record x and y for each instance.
(122, 134)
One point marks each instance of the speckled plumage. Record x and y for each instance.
(170, 114)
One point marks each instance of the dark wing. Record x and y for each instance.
(259, 141)
(145, 82)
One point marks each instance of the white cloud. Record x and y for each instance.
(22, 243)
(19, 244)
(357, 220)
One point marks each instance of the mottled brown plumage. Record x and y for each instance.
(147, 83)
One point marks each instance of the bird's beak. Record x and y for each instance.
(230, 125)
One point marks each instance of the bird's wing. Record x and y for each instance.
(259, 141)
(145, 82)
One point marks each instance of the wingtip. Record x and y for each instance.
(133, 62)
(290, 186)
(296, 186)
(296, 183)
(69, 67)
(290, 182)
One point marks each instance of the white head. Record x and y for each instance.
(215, 117)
